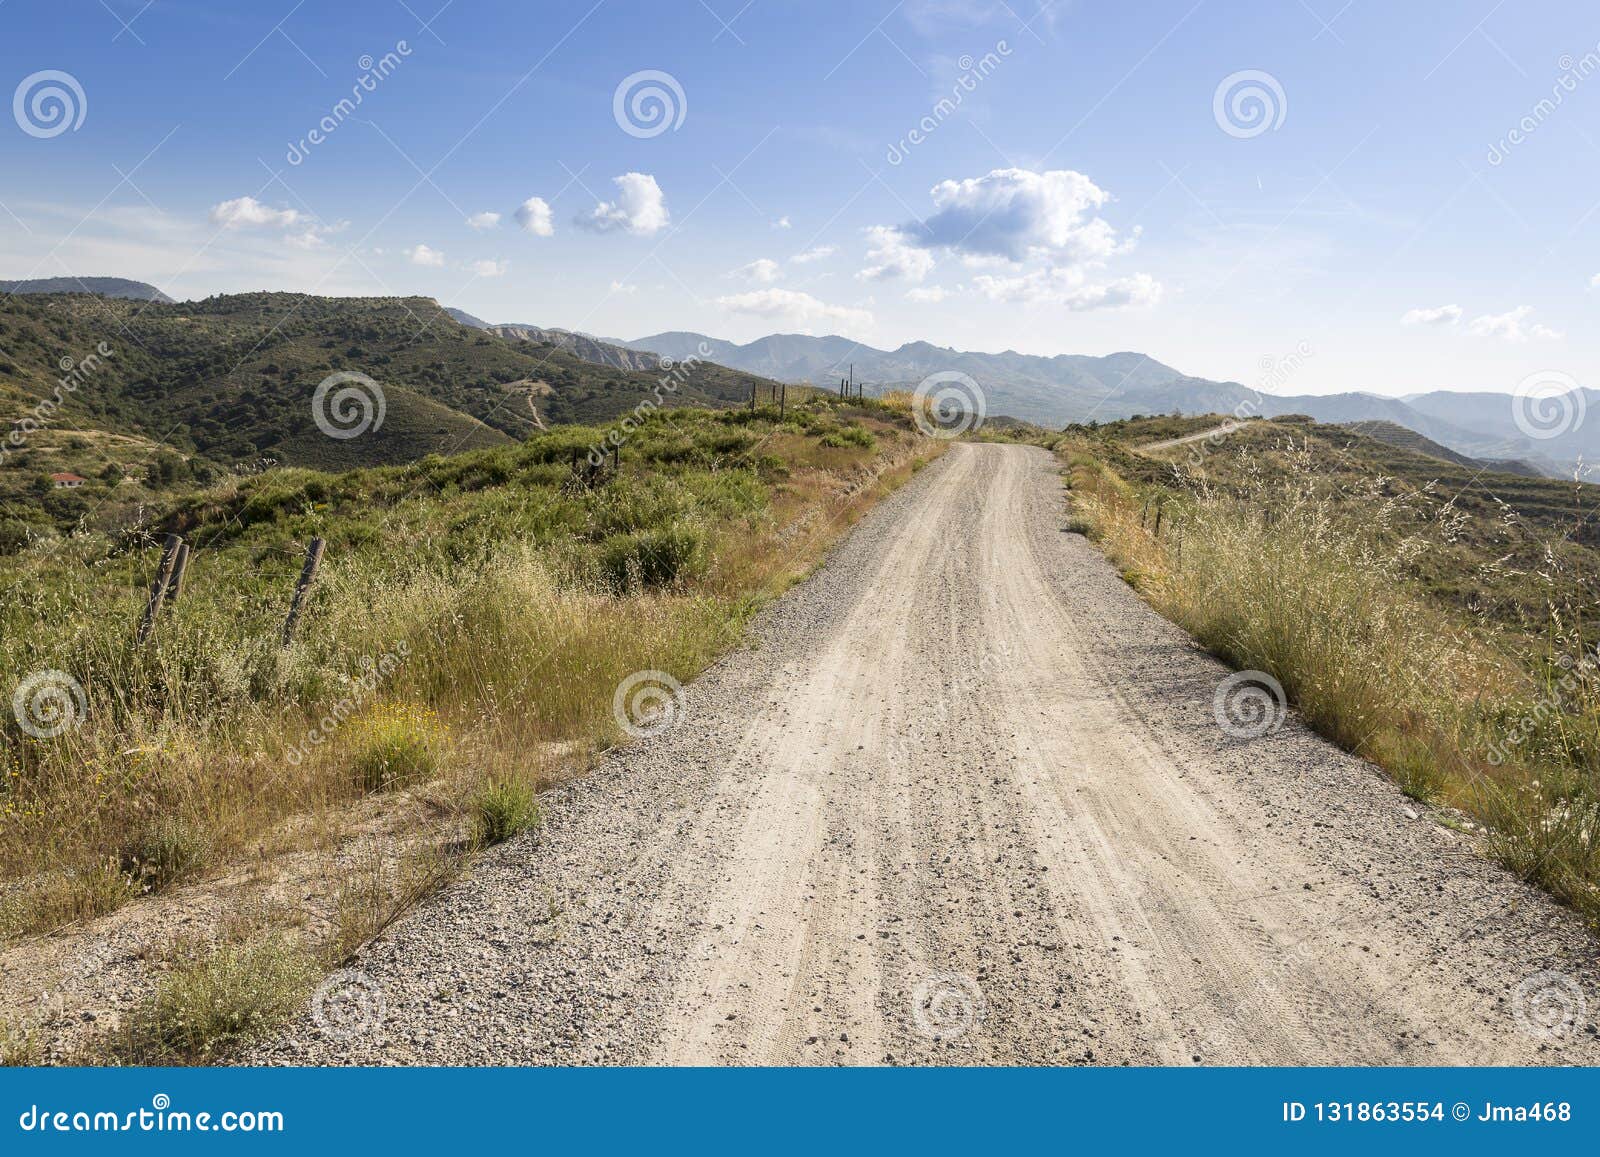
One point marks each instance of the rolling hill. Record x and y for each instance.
(105, 286)
(232, 378)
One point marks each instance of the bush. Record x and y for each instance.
(397, 745)
(653, 558)
(502, 809)
(166, 851)
(850, 436)
(209, 1002)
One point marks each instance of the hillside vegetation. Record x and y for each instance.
(230, 380)
(1437, 619)
(473, 619)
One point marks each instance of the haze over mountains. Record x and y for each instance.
(1049, 391)
(1053, 391)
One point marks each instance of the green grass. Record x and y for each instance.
(471, 620)
(502, 809)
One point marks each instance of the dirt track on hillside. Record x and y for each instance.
(965, 799)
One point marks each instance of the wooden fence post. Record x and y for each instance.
(308, 574)
(180, 568)
(783, 399)
(158, 585)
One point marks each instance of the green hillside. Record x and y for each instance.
(231, 379)
(140, 397)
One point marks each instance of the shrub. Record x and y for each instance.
(397, 745)
(166, 851)
(209, 1002)
(504, 808)
(850, 436)
(653, 558)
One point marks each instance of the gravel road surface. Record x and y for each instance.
(963, 799)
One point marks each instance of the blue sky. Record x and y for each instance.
(1086, 193)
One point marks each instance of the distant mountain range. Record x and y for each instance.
(1053, 391)
(107, 286)
(1048, 391)
(581, 345)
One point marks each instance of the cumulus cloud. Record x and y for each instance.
(422, 255)
(891, 253)
(1443, 315)
(761, 271)
(640, 208)
(815, 253)
(795, 308)
(927, 295)
(1040, 232)
(1069, 288)
(484, 220)
(247, 211)
(1509, 326)
(1017, 214)
(534, 217)
(489, 268)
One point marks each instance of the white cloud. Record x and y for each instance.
(640, 208)
(624, 287)
(484, 220)
(892, 254)
(1068, 288)
(795, 308)
(927, 295)
(761, 271)
(1509, 326)
(1443, 315)
(244, 211)
(816, 253)
(534, 217)
(486, 268)
(1594, 282)
(422, 255)
(1017, 214)
(781, 223)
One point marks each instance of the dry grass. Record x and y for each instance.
(213, 999)
(1282, 580)
(443, 685)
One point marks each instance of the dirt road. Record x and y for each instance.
(1217, 432)
(965, 799)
